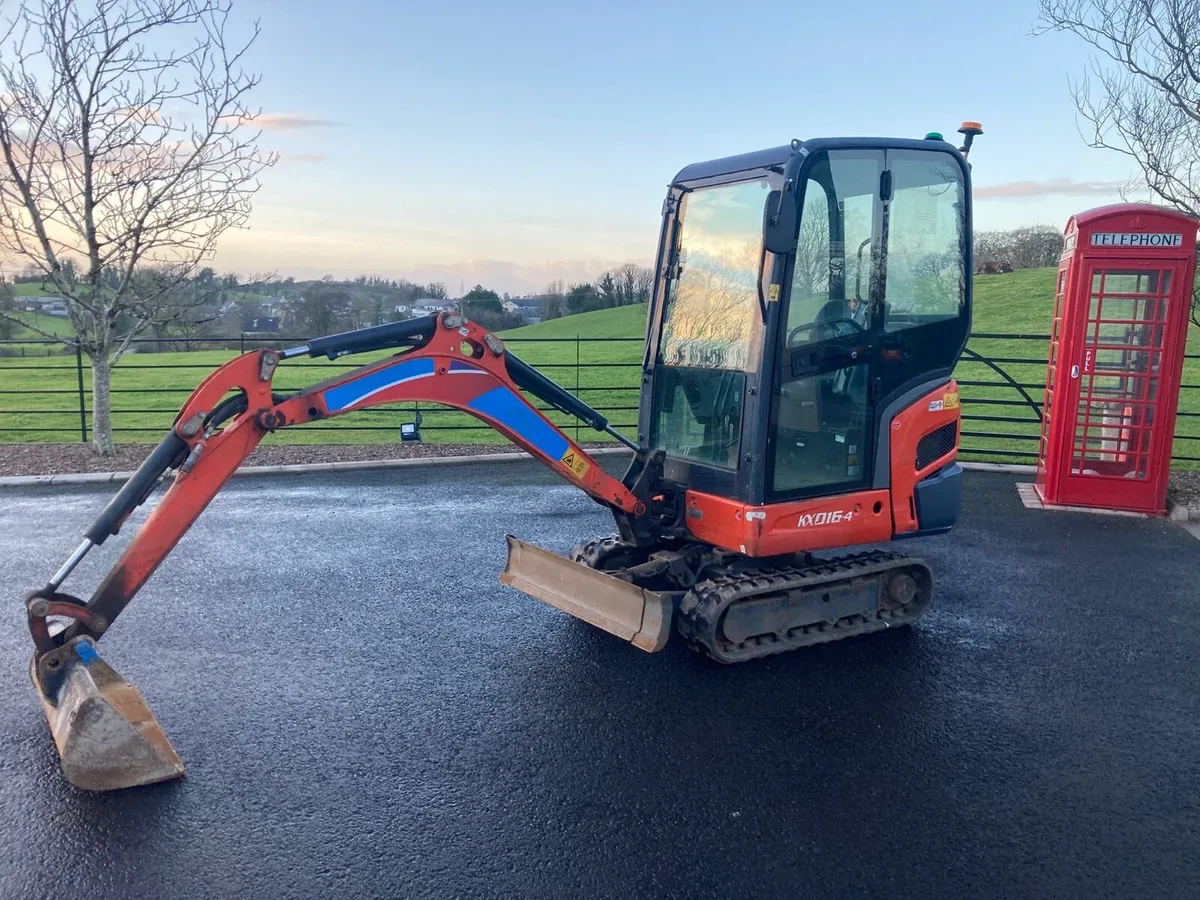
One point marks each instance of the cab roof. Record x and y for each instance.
(777, 157)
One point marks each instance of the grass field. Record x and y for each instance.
(29, 290)
(34, 341)
(149, 388)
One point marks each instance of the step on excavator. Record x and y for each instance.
(810, 304)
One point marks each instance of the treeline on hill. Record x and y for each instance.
(1032, 247)
(212, 310)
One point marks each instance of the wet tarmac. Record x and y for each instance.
(365, 712)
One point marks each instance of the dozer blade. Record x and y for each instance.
(106, 735)
(636, 615)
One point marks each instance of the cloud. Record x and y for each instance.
(1063, 187)
(289, 122)
(304, 157)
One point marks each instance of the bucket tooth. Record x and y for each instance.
(107, 738)
(631, 613)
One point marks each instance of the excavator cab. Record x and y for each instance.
(805, 294)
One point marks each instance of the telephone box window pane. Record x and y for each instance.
(1154, 282)
(1116, 308)
(1111, 334)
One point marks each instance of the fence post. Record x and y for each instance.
(577, 384)
(241, 342)
(82, 404)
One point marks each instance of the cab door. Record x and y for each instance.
(877, 306)
(823, 402)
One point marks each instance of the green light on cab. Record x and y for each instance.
(934, 136)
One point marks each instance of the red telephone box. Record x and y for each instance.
(1116, 356)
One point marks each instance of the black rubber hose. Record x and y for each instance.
(527, 377)
(169, 454)
(135, 491)
(413, 332)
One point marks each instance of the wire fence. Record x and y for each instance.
(46, 395)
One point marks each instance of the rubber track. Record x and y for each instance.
(702, 608)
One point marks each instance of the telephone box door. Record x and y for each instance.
(1115, 383)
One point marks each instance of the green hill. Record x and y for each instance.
(150, 386)
(29, 289)
(1019, 302)
(623, 321)
(55, 325)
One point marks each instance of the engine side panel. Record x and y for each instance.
(863, 517)
(922, 499)
(924, 439)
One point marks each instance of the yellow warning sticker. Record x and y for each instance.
(950, 401)
(773, 292)
(576, 463)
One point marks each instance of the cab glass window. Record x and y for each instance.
(713, 299)
(839, 227)
(925, 276)
(710, 319)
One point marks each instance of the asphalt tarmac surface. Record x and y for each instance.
(365, 712)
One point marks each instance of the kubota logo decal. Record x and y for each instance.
(832, 517)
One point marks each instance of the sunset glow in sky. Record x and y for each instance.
(518, 142)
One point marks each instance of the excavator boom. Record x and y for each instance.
(106, 735)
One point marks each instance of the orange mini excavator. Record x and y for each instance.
(810, 303)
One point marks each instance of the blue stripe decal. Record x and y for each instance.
(511, 411)
(346, 395)
(459, 366)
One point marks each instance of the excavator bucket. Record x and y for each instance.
(631, 613)
(106, 735)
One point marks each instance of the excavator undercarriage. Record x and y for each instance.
(733, 608)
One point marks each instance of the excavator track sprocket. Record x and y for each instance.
(749, 614)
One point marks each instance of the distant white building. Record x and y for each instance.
(510, 306)
(529, 309)
(51, 306)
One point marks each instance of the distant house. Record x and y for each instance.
(261, 324)
(403, 308)
(428, 306)
(528, 308)
(53, 306)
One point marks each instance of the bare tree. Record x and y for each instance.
(625, 285)
(322, 309)
(122, 162)
(1141, 96)
(8, 308)
(812, 248)
(555, 300)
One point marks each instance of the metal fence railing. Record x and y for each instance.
(45, 395)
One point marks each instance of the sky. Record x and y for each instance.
(513, 142)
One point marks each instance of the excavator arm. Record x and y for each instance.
(446, 360)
